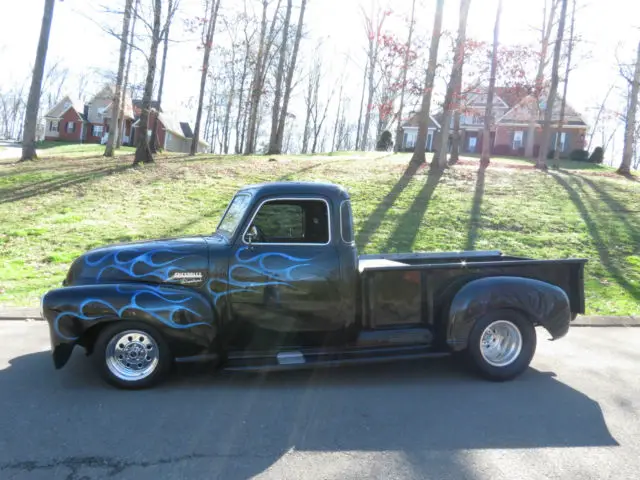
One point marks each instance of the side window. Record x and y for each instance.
(291, 221)
(346, 222)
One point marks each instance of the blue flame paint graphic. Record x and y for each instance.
(160, 270)
(259, 264)
(172, 303)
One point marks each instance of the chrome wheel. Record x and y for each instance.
(500, 343)
(132, 355)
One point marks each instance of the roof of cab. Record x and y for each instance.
(326, 189)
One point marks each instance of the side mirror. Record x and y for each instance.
(252, 234)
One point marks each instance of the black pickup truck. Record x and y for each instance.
(280, 285)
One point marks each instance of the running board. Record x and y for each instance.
(292, 359)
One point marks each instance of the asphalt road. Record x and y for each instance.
(574, 414)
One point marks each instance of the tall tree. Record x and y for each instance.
(125, 81)
(423, 126)
(257, 83)
(364, 88)
(31, 116)
(373, 24)
(143, 152)
(405, 67)
(289, 82)
(630, 120)
(209, 28)
(488, 116)
(275, 109)
(539, 86)
(450, 102)
(541, 163)
(115, 104)
(563, 104)
(172, 7)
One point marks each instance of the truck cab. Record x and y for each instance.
(279, 284)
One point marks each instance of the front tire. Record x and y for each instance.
(501, 345)
(131, 355)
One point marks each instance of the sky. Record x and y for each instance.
(608, 29)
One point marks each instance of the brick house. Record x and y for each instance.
(513, 109)
(68, 121)
(171, 134)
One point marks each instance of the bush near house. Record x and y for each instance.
(385, 142)
(597, 156)
(579, 155)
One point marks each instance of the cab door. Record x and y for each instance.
(284, 277)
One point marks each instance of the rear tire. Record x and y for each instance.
(131, 355)
(501, 345)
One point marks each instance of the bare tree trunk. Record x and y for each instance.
(488, 115)
(208, 43)
(630, 123)
(226, 131)
(364, 86)
(125, 82)
(547, 25)
(163, 67)
(289, 81)
(31, 118)
(563, 105)
(275, 111)
(423, 127)
(405, 67)
(541, 163)
(143, 152)
(455, 137)
(597, 120)
(307, 121)
(335, 125)
(255, 93)
(113, 122)
(241, 107)
(440, 157)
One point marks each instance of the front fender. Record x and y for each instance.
(183, 316)
(544, 304)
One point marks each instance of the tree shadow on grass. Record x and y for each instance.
(474, 220)
(408, 225)
(617, 208)
(34, 189)
(373, 222)
(607, 261)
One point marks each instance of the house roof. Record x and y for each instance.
(186, 129)
(512, 95)
(414, 121)
(128, 109)
(527, 106)
(62, 106)
(137, 106)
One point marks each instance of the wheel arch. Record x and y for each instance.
(540, 302)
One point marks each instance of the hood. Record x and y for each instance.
(179, 260)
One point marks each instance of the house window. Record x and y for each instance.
(562, 143)
(517, 139)
(97, 130)
(53, 126)
(409, 140)
(71, 127)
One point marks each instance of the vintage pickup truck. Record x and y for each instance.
(280, 285)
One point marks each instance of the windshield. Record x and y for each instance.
(234, 214)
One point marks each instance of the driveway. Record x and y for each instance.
(574, 415)
(10, 150)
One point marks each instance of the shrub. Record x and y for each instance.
(579, 155)
(385, 142)
(597, 156)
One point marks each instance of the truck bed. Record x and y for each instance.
(417, 288)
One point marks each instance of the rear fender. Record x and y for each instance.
(542, 303)
(183, 316)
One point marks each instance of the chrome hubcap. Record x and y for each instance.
(500, 343)
(132, 355)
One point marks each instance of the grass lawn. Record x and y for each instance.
(54, 209)
(49, 149)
